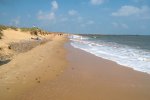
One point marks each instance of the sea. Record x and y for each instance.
(128, 50)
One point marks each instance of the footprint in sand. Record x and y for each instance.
(38, 80)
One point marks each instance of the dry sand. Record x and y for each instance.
(93, 78)
(14, 42)
(30, 69)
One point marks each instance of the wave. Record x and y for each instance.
(125, 55)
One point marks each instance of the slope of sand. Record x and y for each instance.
(21, 40)
(92, 78)
(9, 36)
(30, 69)
(12, 35)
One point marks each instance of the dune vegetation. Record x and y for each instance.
(32, 30)
(1, 34)
(4, 27)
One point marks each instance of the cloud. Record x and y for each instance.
(97, 2)
(49, 15)
(127, 10)
(46, 16)
(72, 12)
(54, 5)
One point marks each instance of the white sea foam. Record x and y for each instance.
(137, 59)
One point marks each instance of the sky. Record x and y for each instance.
(79, 16)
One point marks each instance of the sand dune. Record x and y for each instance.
(27, 70)
(14, 42)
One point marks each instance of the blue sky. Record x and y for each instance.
(79, 16)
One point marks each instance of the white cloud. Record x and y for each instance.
(49, 15)
(46, 16)
(127, 10)
(97, 2)
(72, 12)
(54, 5)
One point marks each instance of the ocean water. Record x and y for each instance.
(130, 51)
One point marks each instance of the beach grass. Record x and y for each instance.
(4, 27)
(25, 29)
(33, 30)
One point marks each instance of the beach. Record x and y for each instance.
(74, 49)
(29, 69)
(91, 78)
(58, 71)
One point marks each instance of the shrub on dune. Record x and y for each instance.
(13, 28)
(3, 27)
(33, 30)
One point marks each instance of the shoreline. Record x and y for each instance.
(110, 61)
(124, 50)
(92, 78)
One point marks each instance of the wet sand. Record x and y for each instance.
(92, 78)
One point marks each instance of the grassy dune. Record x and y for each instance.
(32, 30)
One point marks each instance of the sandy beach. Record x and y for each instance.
(57, 71)
(91, 78)
(29, 69)
(74, 49)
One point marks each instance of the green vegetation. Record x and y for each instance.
(33, 30)
(13, 27)
(30, 29)
(4, 27)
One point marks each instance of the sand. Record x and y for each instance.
(91, 78)
(30, 69)
(14, 42)
(42, 74)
